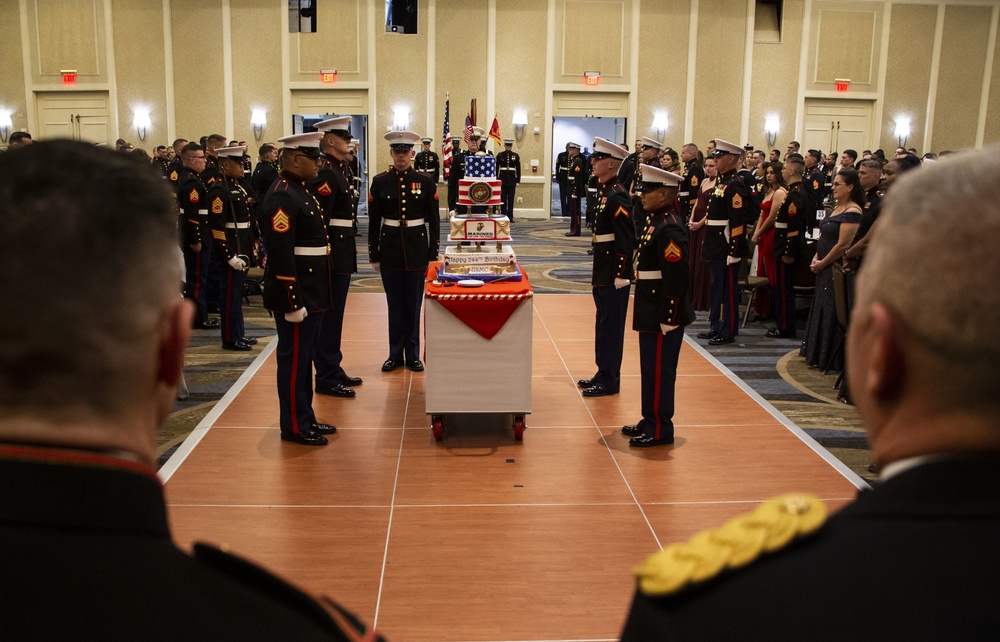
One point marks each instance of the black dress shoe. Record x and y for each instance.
(645, 441)
(250, 341)
(237, 345)
(306, 438)
(775, 333)
(390, 365)
(586, 383)
(571, 234)
(416, 365)
(598, 391)
(351, 381)
(336, 390)
(590, 251)
(324, 429)
(721, 340)
(207, 324)
(632, 431)
(707, 335)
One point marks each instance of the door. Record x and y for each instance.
(835, 125)
(77, 115)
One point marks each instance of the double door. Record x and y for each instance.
(836, 125)
(77, 115)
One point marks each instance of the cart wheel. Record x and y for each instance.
(437, 425)
(518, 427)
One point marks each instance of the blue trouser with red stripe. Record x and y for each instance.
(724, 298)
(404, 294)
(329, 372)
(294, 355)
(784, 298)
(658, 354)
(574, 220)
(232, 305)
(196, 278)
(611, 304)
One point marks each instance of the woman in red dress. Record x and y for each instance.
(763, 234)
(699, 269)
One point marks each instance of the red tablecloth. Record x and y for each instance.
(485, 309)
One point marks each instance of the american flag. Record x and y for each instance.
(468, 130)
(481, 167)
(446, 150)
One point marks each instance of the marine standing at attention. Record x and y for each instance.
(403, 237)
(297, 284)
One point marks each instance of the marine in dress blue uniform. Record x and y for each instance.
(576, 187)
(403, 236)
(563, 164)
(694, 174)
(456, 171)
(427, 161)
(297, 284)
(229, 216)
(333, 188)
(196, 234)
(509, 170)
(614, 250)
(662, 306)
(730, 208)
(789, 231)
(646, 155)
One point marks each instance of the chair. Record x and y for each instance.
(750, 284)
(841, 298)
(803, 277)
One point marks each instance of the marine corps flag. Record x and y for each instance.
(495, 132)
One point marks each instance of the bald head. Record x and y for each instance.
(921, 332)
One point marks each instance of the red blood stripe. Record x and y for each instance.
(295, 371)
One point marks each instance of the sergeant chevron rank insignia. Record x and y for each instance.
(217, 205)
(193, 196)
(737, 201)
(279, 222)
(672, 253)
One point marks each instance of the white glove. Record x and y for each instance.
(664, 328)
(296, 317)
(733, 260)
(237, 264)
(621, 283)
(377, 267)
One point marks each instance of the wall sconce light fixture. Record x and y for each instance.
(401, 119)
(660, 124)
(902, 130)
(5, 125)
(771, 128)
(141, 121)
(258, 119)
(520, 121)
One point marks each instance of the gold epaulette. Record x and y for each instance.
(774, 525)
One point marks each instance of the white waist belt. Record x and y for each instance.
(508, 169)
(241, 226)
(718, 222)
(780, 226)
(394, 223)
(340, 222)
(202, 212)
(603, 238)
(682, 193)
(322, 250)
(646, 275)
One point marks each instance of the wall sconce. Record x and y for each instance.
(401, 119)
(520, 121)
(5, 125)
(258, 118)
(141, 121)
(771, 128)
(902, 130)
(660, 124)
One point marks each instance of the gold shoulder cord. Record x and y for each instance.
(774, 525)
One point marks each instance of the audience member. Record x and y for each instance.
(700, 289)
(763, 234)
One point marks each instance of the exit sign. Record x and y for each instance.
(328, 76)
(68, 76)
(592, 78)
(842, 85)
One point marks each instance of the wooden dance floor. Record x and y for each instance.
(480, 537)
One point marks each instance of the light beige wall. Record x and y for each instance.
(774, 87)
(198, 76)
(963, 58)
(140, 71)
(992, 131)
(845, 42)
(593, 35)
(911, 48)
(719, 70)
(340, 42)
(520, 65)
(67, 34)
(401, 61)
(256, 47)
(12, 67)
(663, 60)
